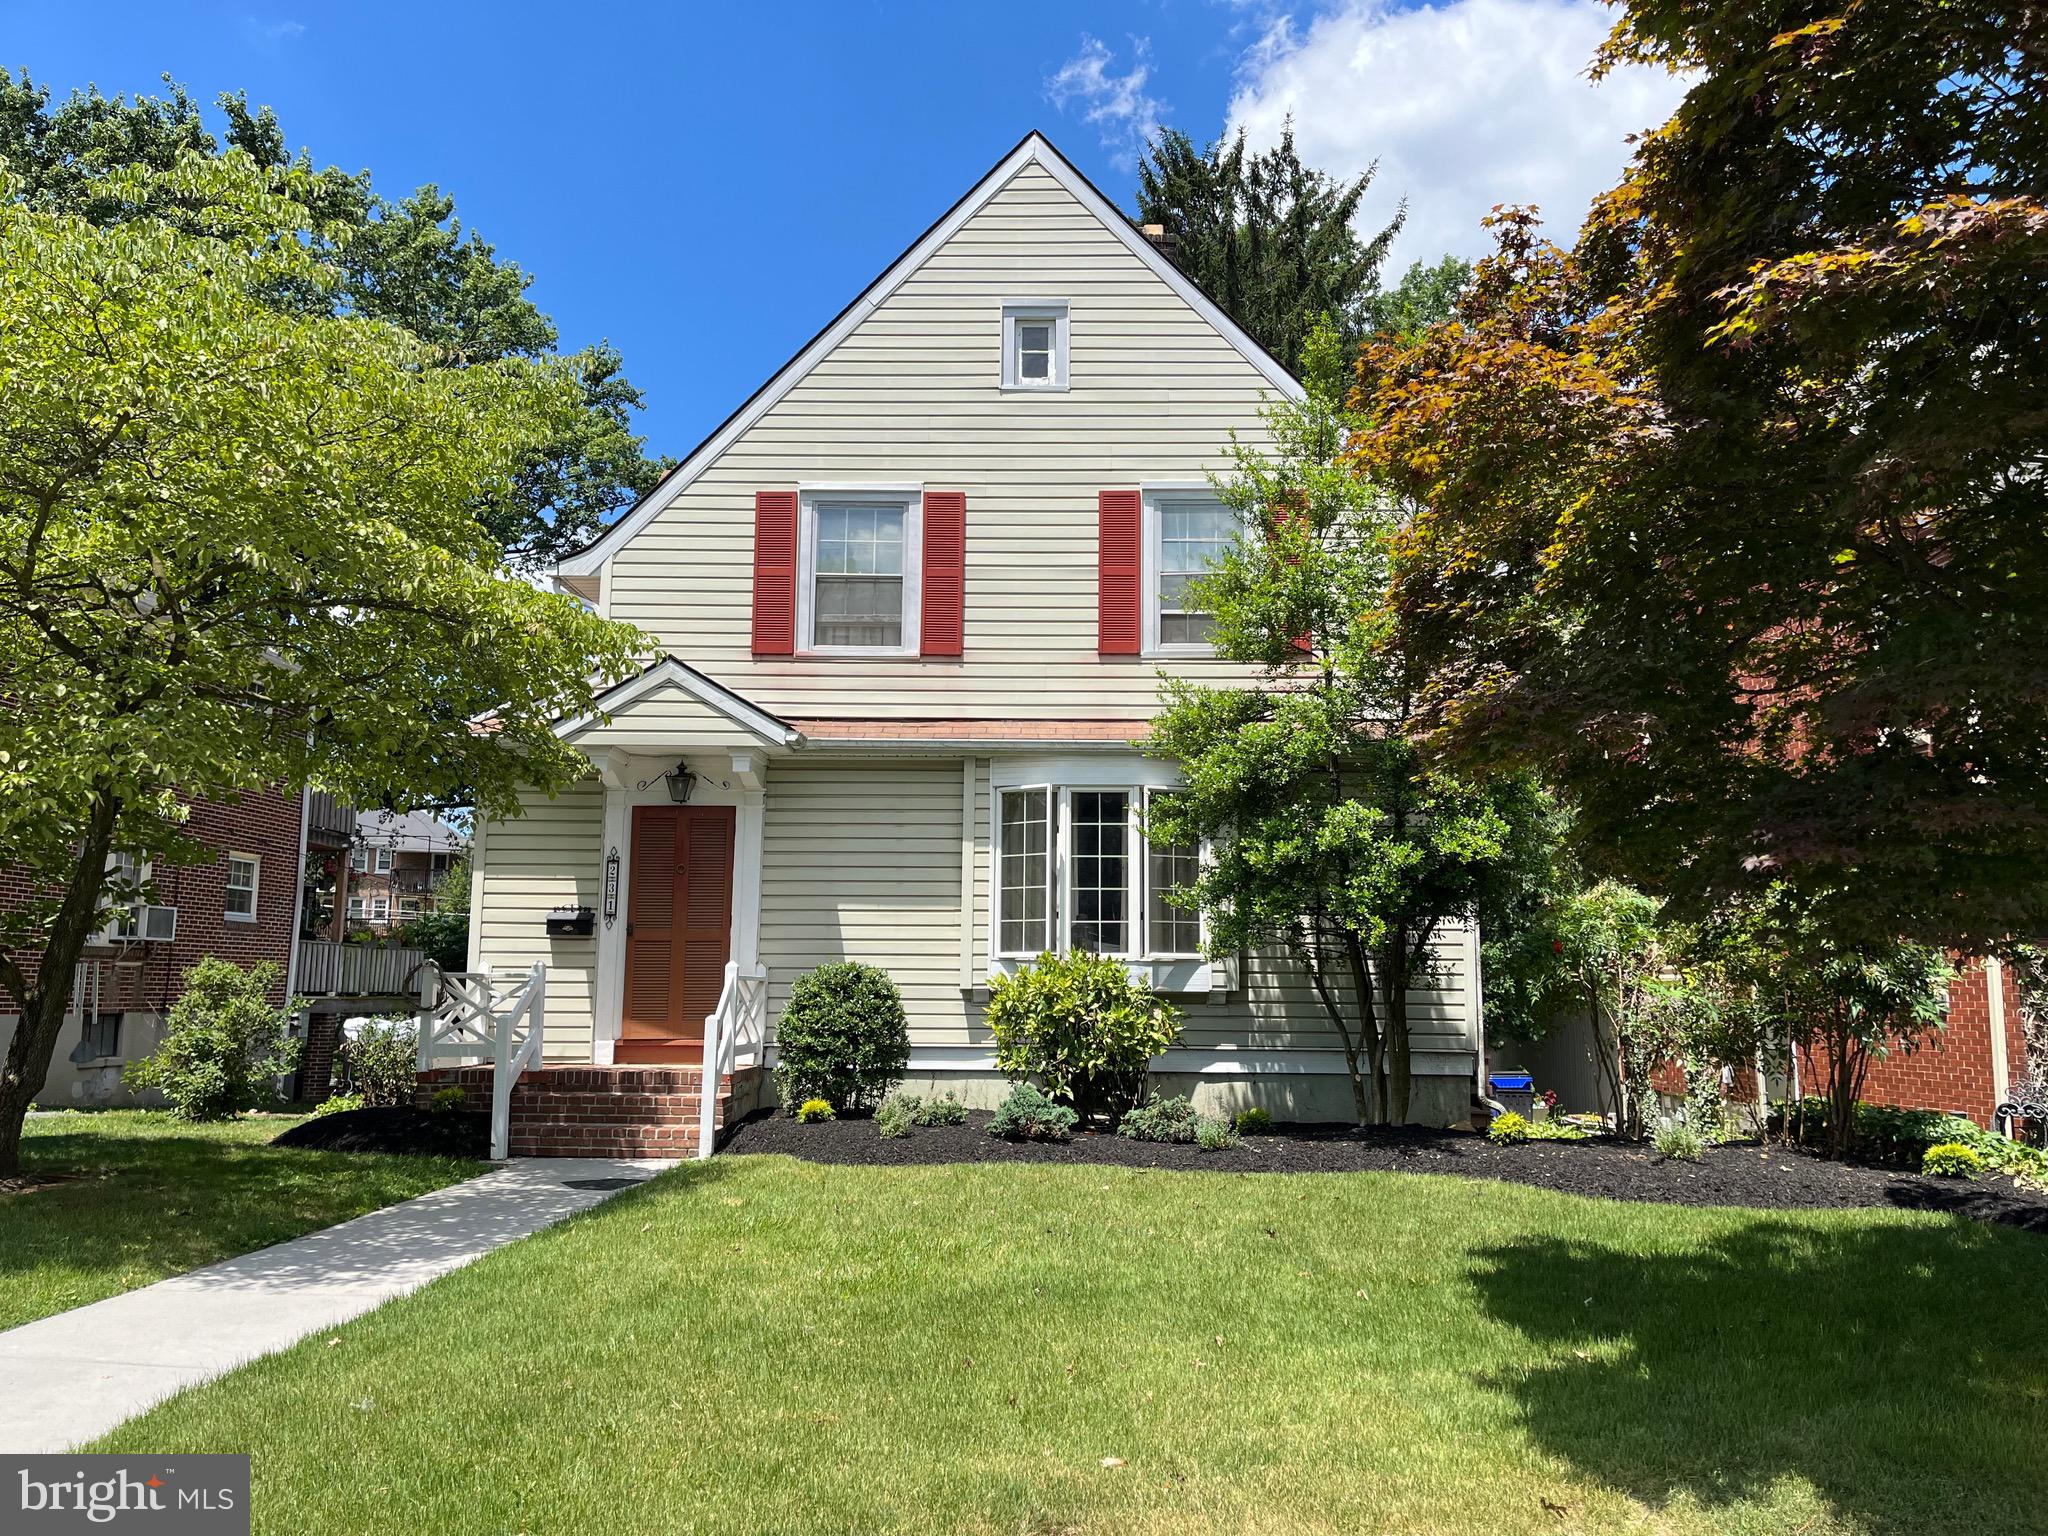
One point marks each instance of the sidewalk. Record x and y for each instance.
(67, 1379)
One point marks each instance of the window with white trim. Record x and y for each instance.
(383, 861)
(859, 577)
(1035, 344)
(1186, 533)
(356, 908)
(409, 907)
(359, 860)
(380, 909)
(1073, 870)
(238, 900)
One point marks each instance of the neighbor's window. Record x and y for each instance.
(383, 861)
(1035, 345)
(1025, 872)
(100, 1036)
(380, 909)
(239, 902)
(409, 908)
(359, 860)
(1074, 871)
(356, 907)
(1172, 929)
(1189, 534)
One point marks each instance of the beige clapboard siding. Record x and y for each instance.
(552, 856)
(861, 861)
(670, 710)
(911, 395)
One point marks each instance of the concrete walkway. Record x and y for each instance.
(70, 1378)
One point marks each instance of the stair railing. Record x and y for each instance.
(740, 1017)
(466, 1017)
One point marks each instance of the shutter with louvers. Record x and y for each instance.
(943, 607)
(774, 573)
(1118, 614)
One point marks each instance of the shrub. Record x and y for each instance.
(1507, 1129)
(1253, 1122)
(898, 1114)
(1951, 1160)
(1555, 1130)
(811, 1111)
(842, 1038)
(378, 1061)
(1082, 1026)
(223, 1042)
(337, 1104)
(1160, 1120)
(1676, 1139)
(447, 1099)
(1029, 1115)
(1214, 1135)
(944, 1110)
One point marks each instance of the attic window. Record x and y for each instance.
(1035, 344)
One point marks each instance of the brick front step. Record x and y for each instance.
(630, 1111)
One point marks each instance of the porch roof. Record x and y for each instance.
(672, 704)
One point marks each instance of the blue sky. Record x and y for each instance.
(706, 185)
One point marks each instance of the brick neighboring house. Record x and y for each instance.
(241, 905)
(397, 861)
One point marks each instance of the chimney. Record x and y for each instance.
(1167, 242)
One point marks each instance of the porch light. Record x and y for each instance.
(680, 782)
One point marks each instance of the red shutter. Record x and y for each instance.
(943, 610)
(1117, 617)
(774, 573)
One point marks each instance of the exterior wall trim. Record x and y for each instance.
(671, 671)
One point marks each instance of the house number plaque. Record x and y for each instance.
(611, 887)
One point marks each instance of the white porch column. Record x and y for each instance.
(614, 770)
(748, 769)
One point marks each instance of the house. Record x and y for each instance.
(393, 869)
(914, 596)
(241, 904)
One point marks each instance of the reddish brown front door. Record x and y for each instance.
(678, 929)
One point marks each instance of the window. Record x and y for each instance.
(1098, 870)
(383, 861)
(380, 909)
(99, 1037)
(859, 575)
(1035, 344)
(410, 907)
(359, 860)
(1185, 536)
(239, 902)
(1026, 872)
(356, 907)
(1074, 871)
(1172, 929)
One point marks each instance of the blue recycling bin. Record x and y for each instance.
(1515, 1090)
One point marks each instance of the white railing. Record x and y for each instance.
(735, 1033)
(467, 1017)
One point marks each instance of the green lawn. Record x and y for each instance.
(160, 1196)
(758, 1344)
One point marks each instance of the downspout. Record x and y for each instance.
(1478, 1020)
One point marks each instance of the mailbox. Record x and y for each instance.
(572, 922)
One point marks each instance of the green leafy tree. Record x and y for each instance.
(1334, 837)
(408, 262)
(1731, 514)
(442, 935)
(239, 548)
(1273, 241)
(1424, 297)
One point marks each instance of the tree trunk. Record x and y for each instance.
(1311, 962)
(45, 1001)
(1375, 1036)
(1394, 973)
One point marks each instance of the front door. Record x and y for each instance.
(678, 929)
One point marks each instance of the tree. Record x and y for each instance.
(443, 934)
(1730, 516)
(1332, 836)
(1271, 240)
(224, 1043)
(1425, 296)
(408, 262)
(238, 548)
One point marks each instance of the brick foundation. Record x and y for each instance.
(599, 1111)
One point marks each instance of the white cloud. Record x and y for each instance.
(274, 31)
(1464, 105)
(1116, 104)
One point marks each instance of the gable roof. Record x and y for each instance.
(672, 672)
(1034, 149)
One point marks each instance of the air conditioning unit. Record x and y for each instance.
(141, 924)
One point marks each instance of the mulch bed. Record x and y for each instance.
(408, 1132)
(1744, 1174)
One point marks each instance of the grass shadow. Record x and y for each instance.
(1901, 1371)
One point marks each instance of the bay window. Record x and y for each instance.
(1074, 870)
